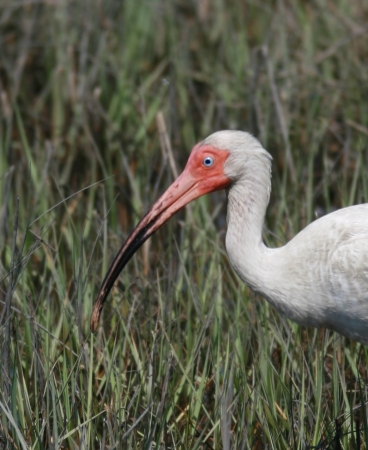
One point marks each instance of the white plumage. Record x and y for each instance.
(319, 278)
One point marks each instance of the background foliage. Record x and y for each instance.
(95, 97)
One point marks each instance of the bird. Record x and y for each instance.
(317, 279)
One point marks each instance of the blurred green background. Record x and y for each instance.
(95, 97)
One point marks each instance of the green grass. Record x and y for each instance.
(185, 357)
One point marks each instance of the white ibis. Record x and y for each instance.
(319, 278)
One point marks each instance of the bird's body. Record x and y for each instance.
(319, 278)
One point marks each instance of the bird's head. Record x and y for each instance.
(212, 165)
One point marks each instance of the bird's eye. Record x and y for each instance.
(208, 161)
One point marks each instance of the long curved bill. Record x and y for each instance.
(186, 188)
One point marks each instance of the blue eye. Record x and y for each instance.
(208, 161)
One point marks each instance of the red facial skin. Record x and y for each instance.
(195, 181)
